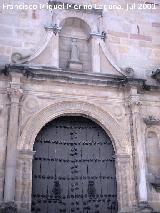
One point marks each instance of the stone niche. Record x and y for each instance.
(74, 45)
(153, 156)
(153, 164)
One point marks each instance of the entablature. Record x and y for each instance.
(44, 73)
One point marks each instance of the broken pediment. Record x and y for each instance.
(106, 66)
(55, 47)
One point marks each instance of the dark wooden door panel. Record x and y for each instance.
(73, 168)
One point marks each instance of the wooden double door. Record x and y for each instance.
(73, 168)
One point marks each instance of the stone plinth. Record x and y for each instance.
(8, 207)
(75, 65)
(144, 207)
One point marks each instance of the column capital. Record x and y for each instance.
(134, 101)
(15, 94)
(134, 98)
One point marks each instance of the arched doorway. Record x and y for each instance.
(73, 168)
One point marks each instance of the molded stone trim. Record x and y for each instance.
(104, 119)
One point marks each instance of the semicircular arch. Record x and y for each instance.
(101, 117)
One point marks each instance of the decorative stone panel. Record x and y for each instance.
(24, 180)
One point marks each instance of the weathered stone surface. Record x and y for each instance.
(103, 91)
(9, 207)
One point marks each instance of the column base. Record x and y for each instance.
(8, 207)
(143, 207)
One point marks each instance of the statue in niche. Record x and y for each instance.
(74, 51)
(74, 63)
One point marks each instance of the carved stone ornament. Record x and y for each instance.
(5, 69)
(102, 35)
(55, 28)
(9, 207)
(14, 92)
(154, 180)
(31, 104)
(156, 184)
(129, 71)
(151, 120)
(156, 75)
(134, 101)
(18, 58)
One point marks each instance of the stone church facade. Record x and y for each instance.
(92, 63)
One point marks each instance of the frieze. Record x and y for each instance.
(54, 74)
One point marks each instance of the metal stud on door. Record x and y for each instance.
(73, 168)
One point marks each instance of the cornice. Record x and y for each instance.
(54, 74)
(33, 72)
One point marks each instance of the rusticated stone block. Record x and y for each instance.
(6, 31)
(156, 24)
(141, 37)
(114, 39)
(123, 49)
(2, 49)
(4, 59)
(118, 34)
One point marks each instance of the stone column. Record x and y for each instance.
(55, 50)
(15, 94)
(125, 189)
(139, 147)
(3, 138)
(95, 44)
(24, 180)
